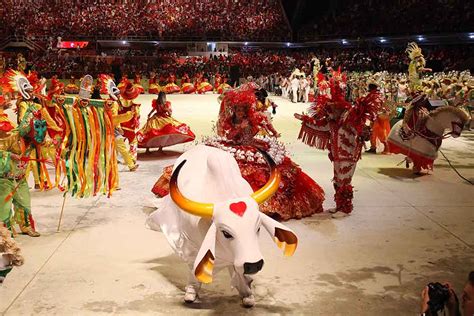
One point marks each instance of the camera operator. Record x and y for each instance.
(437, 297)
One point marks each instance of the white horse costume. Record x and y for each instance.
(421, 143)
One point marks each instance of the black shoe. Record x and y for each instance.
(371, 151)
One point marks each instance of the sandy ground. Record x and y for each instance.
(405, 232)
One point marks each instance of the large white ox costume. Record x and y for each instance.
(221, 230)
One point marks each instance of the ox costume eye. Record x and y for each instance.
(227, 235)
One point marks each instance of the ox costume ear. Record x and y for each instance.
(204, 263)
(282, 235)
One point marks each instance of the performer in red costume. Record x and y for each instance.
(54, 83)
(5, 124)
(186, 86)
(153, 88)
(204, 87)
(171, 87)
(224, 86)
(161, 129)
(162, 81)
(137, 82)
(57, 115)
(217, 81)
(339, 126)
(198, 79)
(122, 83)
(238, 125)
(128, 94)
(72, 87)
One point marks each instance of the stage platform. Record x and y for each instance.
(405, 232)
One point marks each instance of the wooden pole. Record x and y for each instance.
(61, 215)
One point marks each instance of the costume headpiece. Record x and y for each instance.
(16, 81)
(57, 89)
(87, 83)
(108, 83)
(129, 91)
(413, 51)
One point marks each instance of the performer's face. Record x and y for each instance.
(240, 113)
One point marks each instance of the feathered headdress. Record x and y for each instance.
(16, 81)
(413, 51)
(107, 83)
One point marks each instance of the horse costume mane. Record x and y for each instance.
(451, 109)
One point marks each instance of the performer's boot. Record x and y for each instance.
(343, 197)
(27, 226)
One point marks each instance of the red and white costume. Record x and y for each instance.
(339, 126)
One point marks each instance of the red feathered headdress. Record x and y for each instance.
(16, 81)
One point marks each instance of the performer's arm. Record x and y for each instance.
(121, 118)
(151, 113)
(22, 107)
(49, 120)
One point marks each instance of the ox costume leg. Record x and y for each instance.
(192, 288)
(243, 284)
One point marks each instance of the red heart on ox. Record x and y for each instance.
(238, 208)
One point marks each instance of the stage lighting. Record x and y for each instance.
(421, 38)
(246, 43)
(124, 42)
(382, 40)
(471, 36)
(344, 42)
(288, 44)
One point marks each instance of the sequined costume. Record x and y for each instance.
(239, 123)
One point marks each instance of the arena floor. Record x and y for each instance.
(405, 231)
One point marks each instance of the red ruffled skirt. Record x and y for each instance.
(204, 87)
(171, 88)
(153, 89)
(160, 131)
(188, 88)
(72, 89)
(298, 195)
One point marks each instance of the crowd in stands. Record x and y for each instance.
(354, 18)
(164, 19)
(249, 62)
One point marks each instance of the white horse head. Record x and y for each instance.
(447, 119)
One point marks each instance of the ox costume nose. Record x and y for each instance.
(253, 267)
